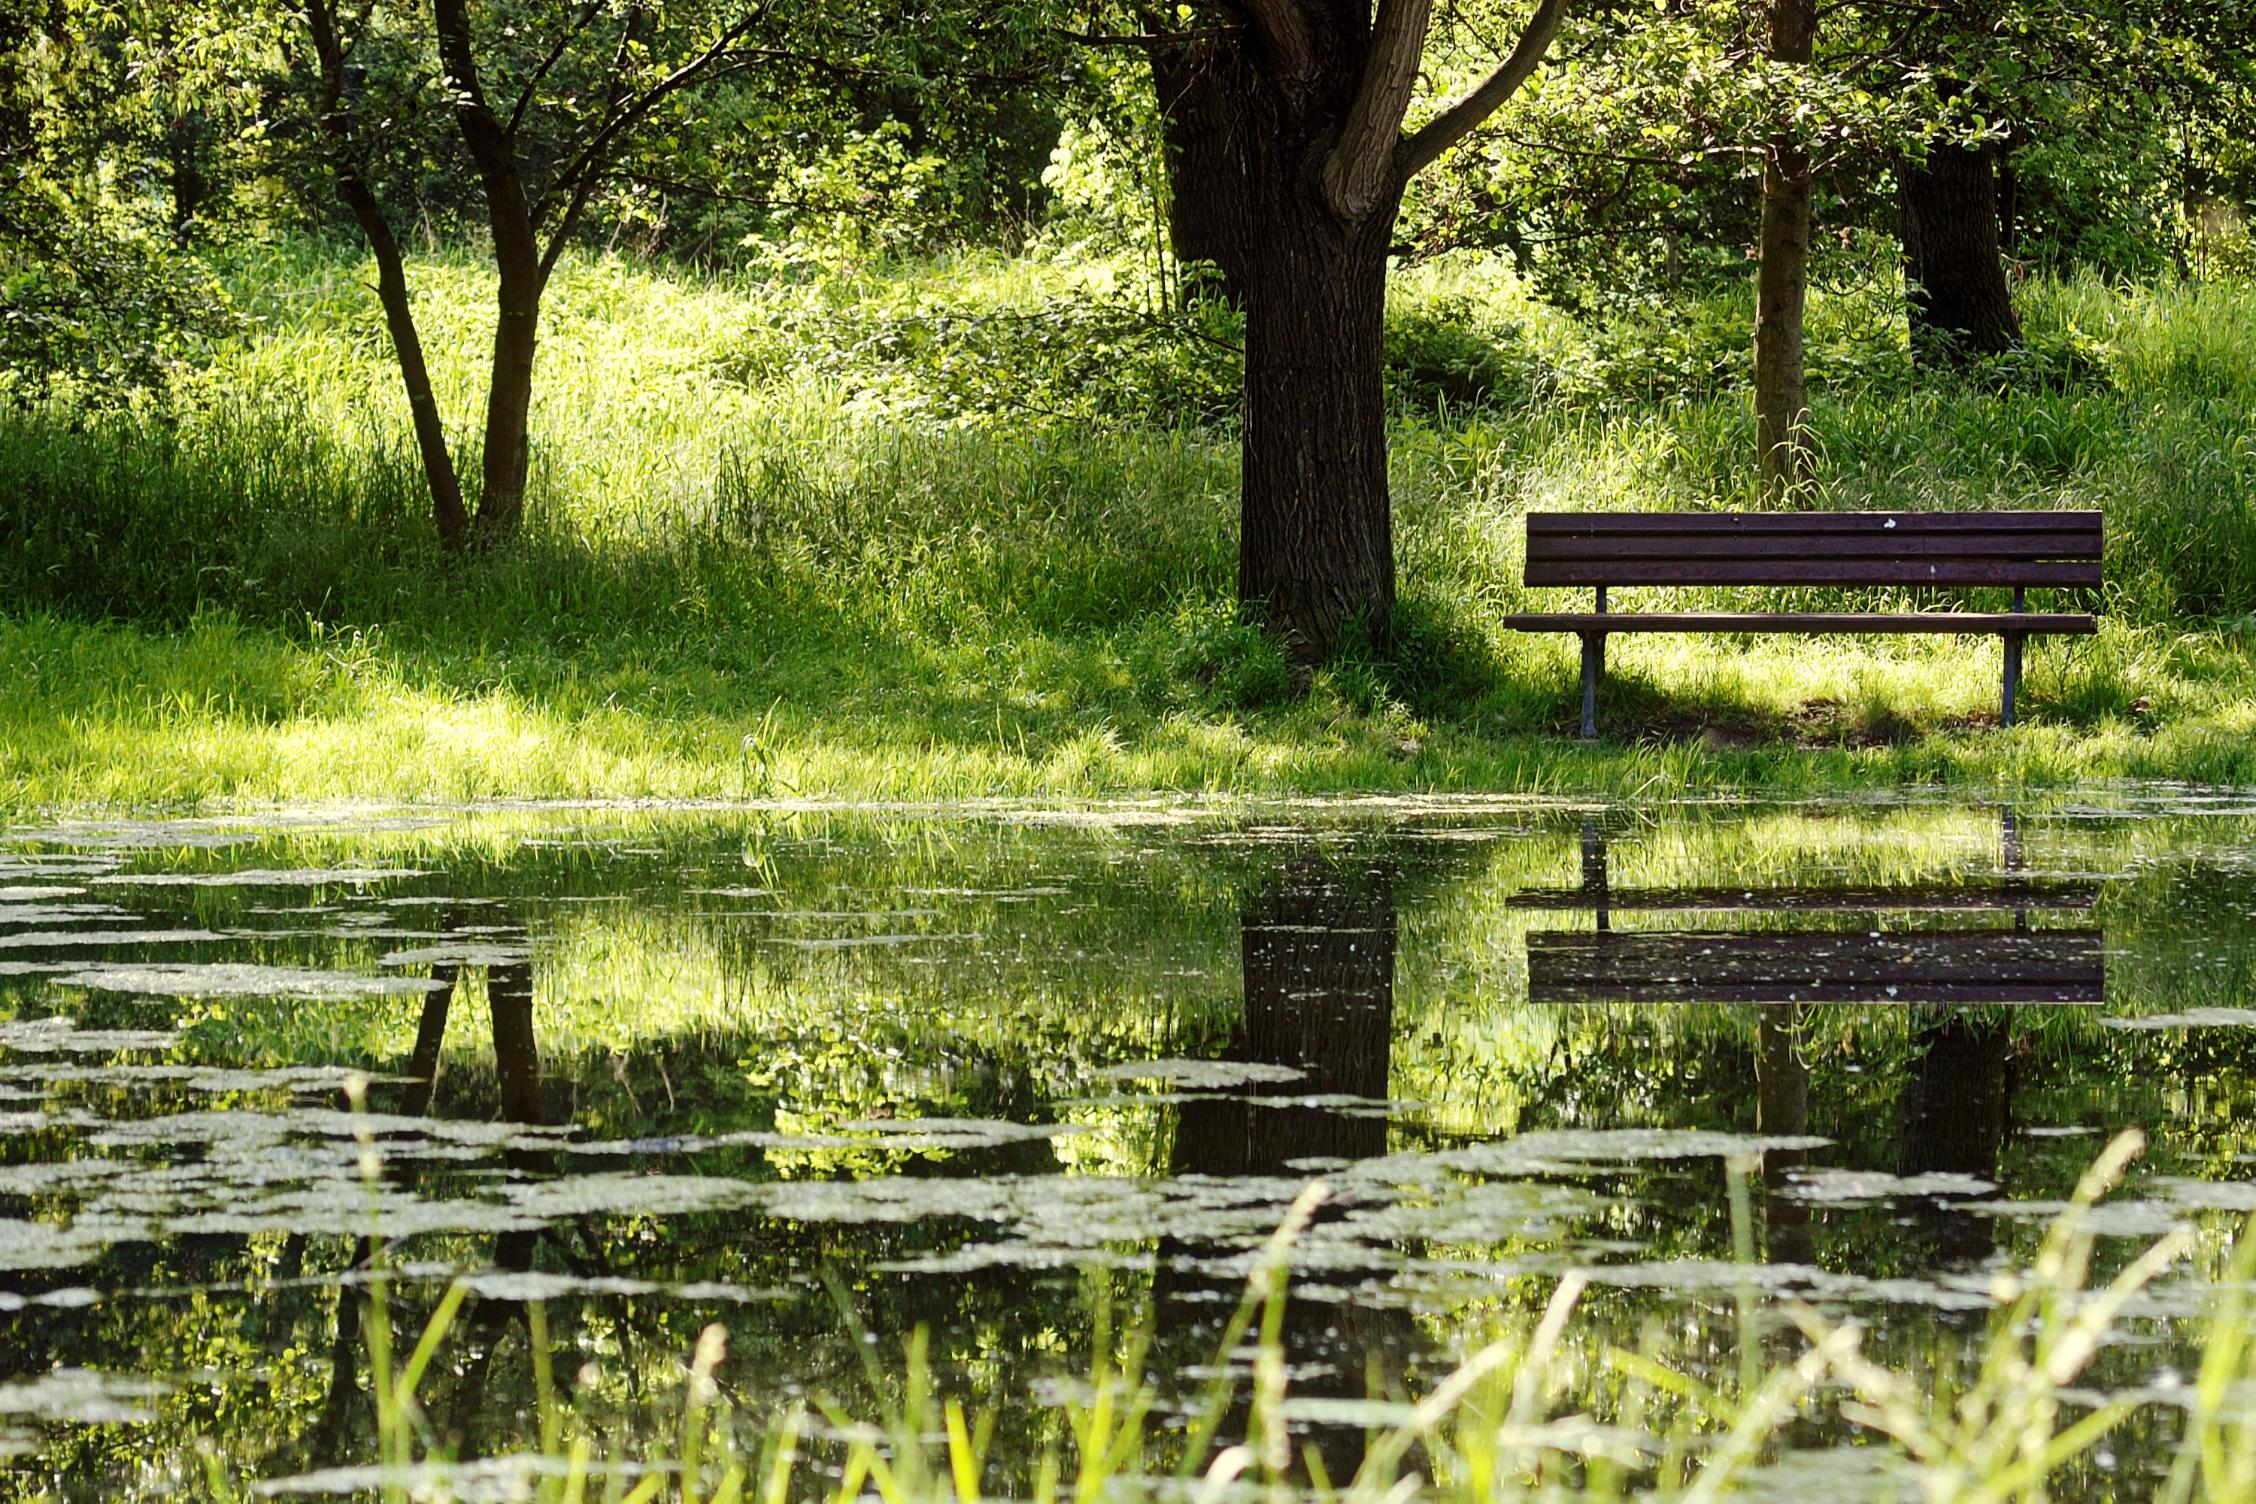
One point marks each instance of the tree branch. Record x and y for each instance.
(594, 159)
(1357, 171)
(1449, 127)
(1145, 41)
(555, 55)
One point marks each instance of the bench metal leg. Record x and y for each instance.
(1593, 664)
(2013, 642)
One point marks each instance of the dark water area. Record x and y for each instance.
(1037, 1081)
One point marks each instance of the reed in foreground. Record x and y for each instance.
(1532, 1415)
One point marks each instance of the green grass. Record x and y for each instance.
(792, 537)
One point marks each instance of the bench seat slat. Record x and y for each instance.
(1966, 623)
(2077, 546)
(1965, 994)
(1791, 571)
(2018, 893)
(1922, 550)
(1694, 965)
(1892, 523)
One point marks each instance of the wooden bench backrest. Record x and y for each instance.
(1813, 548)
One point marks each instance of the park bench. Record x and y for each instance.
(2016, 549)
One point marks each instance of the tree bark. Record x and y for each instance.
(507, 457)
(448, 510)
(187, 139)
(1957, 299)
(1208, 220)
(507, 462)
(1316, 540)
(1782, 282)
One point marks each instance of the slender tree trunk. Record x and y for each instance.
(509, 401)
(1782, 281)
(448, 509)
(1316, 541)
(448, 512)
(492, 145)
(1958, 301)
(187, 138)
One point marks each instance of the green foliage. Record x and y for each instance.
(1631, 164)
(113, 122)
(1084, 354)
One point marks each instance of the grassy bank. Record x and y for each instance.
(968, 530)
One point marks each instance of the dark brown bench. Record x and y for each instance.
(2017, 549)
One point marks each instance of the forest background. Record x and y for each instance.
(1003, 397)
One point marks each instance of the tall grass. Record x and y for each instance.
(821, 494)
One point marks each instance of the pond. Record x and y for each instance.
(1041, 1083)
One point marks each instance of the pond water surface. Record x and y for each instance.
(1033, 1081)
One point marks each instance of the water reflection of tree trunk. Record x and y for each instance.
(509, 995)
(338, 1402)
(509, 1000)
(1956, 1110)
(1782, 1110)
(430, 1042)
(1318, 945)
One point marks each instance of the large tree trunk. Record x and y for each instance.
(1316, 540)
(1782, 281)
(1249, 148)
(1957, 297)
(1299, 113)
(1209, 218)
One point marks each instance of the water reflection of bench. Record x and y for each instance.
(1865, 965)
(1903, 966)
